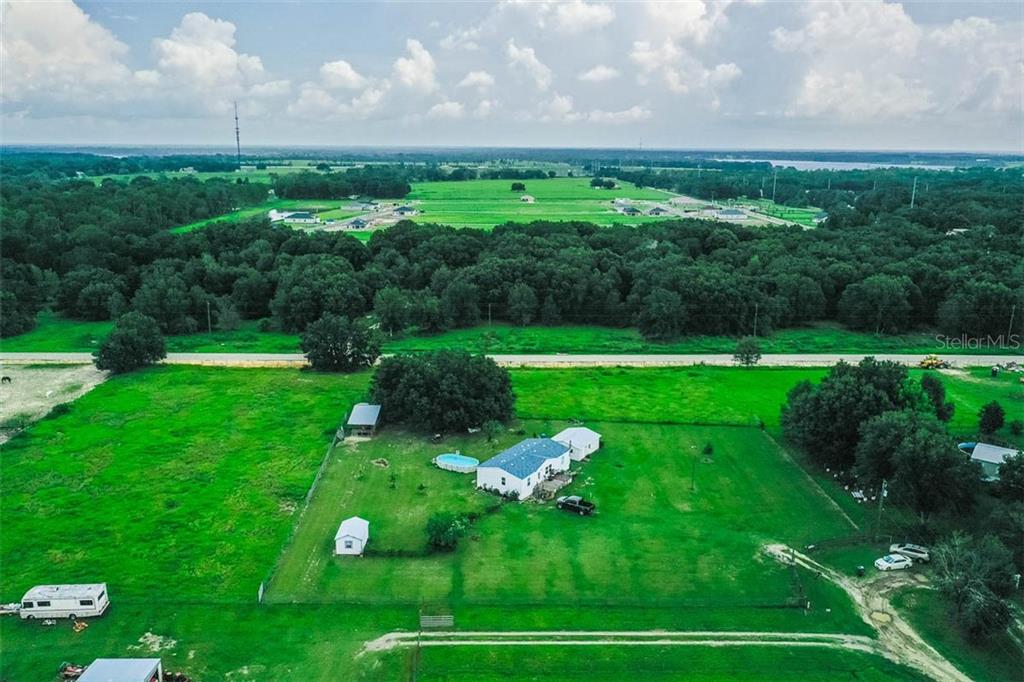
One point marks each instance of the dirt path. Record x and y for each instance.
(33, 391)
(897, 638)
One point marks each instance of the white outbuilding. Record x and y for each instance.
(352, 536)
(991, 457)
(521, 468)
(123, 670)
(580, 440)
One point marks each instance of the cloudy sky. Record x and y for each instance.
(719, 73)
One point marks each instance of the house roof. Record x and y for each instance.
(992, 454)
(121, 670)
(81, 591)
(355, 527)
(526, 457)
(364, 414)
(730, 211)
(300, 215)
(577, 435)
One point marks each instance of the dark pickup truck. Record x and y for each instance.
(575, 503)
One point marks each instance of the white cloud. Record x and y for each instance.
(461, 39)
(599, 74)
(526, 59)
(317, 104)
(577, 16)
(869, 29)
(340, 74)
(200, 54)
(680, 71)
(964, 32)
(691, 20)
(54, 50)
(449, 110)
(484, 108)
(559, 108)
(417, 71)
(481, 80)
(854, 97)
(634, 114)
(270, 89)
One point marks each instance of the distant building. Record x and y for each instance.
(358, 224)
(657, 210)
(730, 214)
(630, 210)
(302, 218)
(527, 199)
(991, 458)
(522, 467)
(189, 170)
(405, 210)
(820, 217)
(352, 536)
(363, 420)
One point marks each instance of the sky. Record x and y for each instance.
(723, 74)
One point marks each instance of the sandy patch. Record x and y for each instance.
(34, 391)
(155, 643)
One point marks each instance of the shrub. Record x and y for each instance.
(444, 530)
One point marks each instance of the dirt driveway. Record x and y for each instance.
(34, 390)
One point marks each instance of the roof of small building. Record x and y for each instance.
(300, 215)
(404, 209)
(730, 211)
(355, 527)
(526, 457)
(992, 454)
(121, 670)
(578, 435)
(364, 414)
(79, 591)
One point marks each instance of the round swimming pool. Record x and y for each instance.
(454, 462)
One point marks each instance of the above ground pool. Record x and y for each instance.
(454, 462)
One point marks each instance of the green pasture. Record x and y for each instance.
(804, 216)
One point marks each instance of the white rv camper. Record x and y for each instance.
(65, 601)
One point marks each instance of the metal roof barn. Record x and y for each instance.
(123, 670)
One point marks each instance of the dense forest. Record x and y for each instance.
(953, 262)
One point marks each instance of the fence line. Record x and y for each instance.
(339, 437)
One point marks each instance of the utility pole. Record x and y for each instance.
(1009, 332)
(757, 308)
(238, 139)
(775, 182)
(488, 314)
(913, 193)
(881, 503)
(209, 323)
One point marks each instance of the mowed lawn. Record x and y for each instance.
(169, 484)
(486, 203)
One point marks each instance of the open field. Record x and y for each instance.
(34, 391)
(56, 333)
(194, 476)
(326, 209)
(486, 203)
(803, 216)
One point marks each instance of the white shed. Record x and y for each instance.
(527, 199)
(580, 440)
(352, 536)
(991, 458)
(123, 670)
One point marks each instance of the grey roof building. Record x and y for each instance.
(526, 457)
(991, 458)
(123, 670)
(363, 420)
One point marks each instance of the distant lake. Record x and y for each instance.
(840, 165)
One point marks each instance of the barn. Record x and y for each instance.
(519, 469)
(580, 440)
(352, 536)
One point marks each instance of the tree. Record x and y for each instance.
(460, 304)
(134, 342)
(392, 307)
(1011, 478)
(936, 392)
(492, 428)
(228, 318)
(518, 187)
(991, 417)
(444, 530)
(335, 344)
(748, 351)
(443, 391)
(880, 303)
(973, 576)
(425, 313)
(662, 315)
(522, 304)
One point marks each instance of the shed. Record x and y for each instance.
(352, 536)
(526, 198)
(358, 224)
(521, 468)
(657, 210)
(363, 420)
(991, 458)
(405, 210)
(731, 214)
(580, 440)
(124, 670)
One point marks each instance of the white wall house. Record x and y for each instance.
(352, 536)
(64, 601)
(991, 457)
(523, 466)
(580, 440)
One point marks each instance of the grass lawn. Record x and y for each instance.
(996, 659)
(486, 203)
(325, 209)
(803, 216)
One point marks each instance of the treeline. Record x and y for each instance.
(56, 166)
(94, 252)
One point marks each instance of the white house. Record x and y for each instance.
(352, 536)
(991, 458)
(64, 601)
(522, 467)
(580, 440)
(123, 670)
(527, 199)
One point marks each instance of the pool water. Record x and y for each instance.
(454, 462)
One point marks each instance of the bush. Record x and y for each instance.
(444, 530)
(1017, 427)
(134, 342)
(991, 417)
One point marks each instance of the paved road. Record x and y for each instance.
(537, 360)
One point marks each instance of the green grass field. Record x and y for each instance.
(486, 203)
(327, 210)
(178, 486)
(56, 333)
(803, 216)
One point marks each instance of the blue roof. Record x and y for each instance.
(526, 457)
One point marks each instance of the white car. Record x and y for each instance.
(893, 562)
(915, 552)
